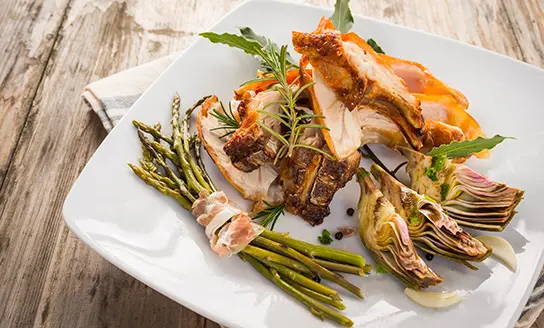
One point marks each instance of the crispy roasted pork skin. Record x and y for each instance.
(311, 179)
(419, 79)
(358, 76)
(251, 146)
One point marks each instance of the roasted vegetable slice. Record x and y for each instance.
(430, 228)
(467, 196)
(385, 234)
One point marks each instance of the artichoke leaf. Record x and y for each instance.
(468, 197)
(385, 234)
(429, 226)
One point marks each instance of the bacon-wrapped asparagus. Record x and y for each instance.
(293, 265)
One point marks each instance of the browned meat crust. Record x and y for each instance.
(250, 146)
(325, 51)
(311, 179)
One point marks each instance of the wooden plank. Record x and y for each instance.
(28, 30)
(97, 38)
(480, 22)
(527, 21)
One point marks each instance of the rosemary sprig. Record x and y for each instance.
(228, 122)
(270, 215)
(293, 120)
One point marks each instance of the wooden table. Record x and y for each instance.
(50, 49)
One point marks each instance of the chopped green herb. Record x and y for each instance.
(437, 164)
(444, 189)
(380, 269)
(325, 237)
(375, 46)
(414, 218)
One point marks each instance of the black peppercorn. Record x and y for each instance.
(339, 235)
(429, 257)
(350, 211)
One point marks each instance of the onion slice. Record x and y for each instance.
(502, 249)
(433, 300)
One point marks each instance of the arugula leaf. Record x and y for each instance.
(248, 33)
(250, 42)
(325, 237)
(342, 18)
(371, 42)
(467, 147)
(235, 41)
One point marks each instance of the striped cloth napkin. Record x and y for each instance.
(110, 98)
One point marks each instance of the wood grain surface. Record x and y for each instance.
(50, 49)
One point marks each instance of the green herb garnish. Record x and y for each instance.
(251, 43)
(325, 237)
(293, 120)
(437, 164)
(414, 218)
(342, 18)
(444, 189)
(371, 42)
(270, 215)
(466, 148)
(228, 122)
(380, 269)
(249, 34)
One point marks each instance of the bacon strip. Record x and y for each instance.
(229, 229)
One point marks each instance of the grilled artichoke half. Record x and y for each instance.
(385, 234)
(430, 228)
(467, 196)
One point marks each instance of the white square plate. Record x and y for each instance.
(152, 238)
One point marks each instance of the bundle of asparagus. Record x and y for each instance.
(295, 266)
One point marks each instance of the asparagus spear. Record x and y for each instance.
(311, 250)
(158, 157)
(155, 174)
(161, 186)
(313, 266)
(157, 127)
(151, 130)
(315, 295)
(340, 267)
(186, 147)
(178, 146)
(264, 254)
(302, 280)
(316, 308)
(197, 145)
(165, 152)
